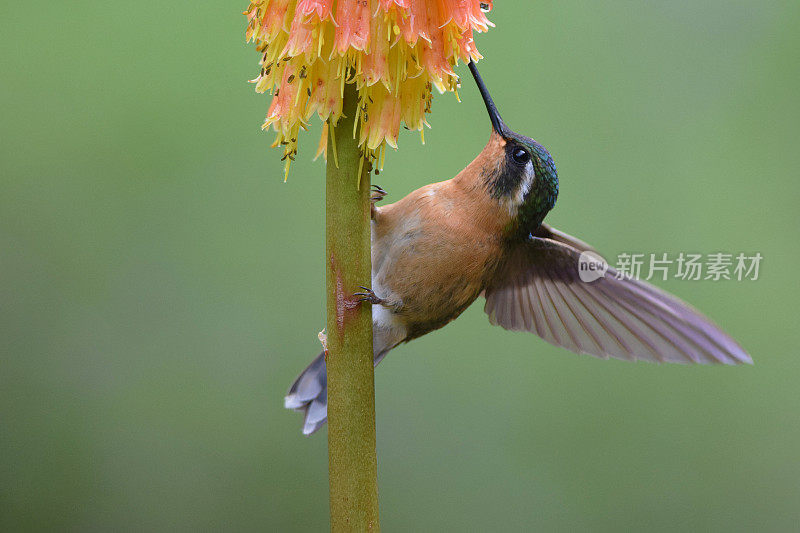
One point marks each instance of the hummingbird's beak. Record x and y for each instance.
(497, 123)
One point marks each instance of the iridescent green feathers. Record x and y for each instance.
(542, 196)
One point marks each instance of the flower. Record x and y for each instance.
(394, 51)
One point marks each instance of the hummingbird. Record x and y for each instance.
(482, 234)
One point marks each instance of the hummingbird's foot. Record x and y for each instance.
(378, 194)
(368, 296)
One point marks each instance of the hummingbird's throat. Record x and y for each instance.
(517, 189)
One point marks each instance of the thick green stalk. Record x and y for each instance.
(352, 461)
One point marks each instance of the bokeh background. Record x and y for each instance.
(160, 286)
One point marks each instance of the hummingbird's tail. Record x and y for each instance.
(309, 393)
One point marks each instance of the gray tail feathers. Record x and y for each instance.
(309, 394)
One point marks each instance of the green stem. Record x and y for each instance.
(352, 461)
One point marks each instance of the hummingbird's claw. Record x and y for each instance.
(378, 194)
(368, 296)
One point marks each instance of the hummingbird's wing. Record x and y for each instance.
(539, 290)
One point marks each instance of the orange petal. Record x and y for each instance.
(353, 17)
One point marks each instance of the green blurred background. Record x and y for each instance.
(160, 286)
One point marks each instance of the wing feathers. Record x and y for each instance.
(539, 290)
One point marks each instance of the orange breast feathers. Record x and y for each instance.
(434, 250)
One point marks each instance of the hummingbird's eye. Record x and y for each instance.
(521, 156)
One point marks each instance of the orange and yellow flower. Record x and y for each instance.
(394, 51)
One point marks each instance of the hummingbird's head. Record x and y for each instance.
(519, 172)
